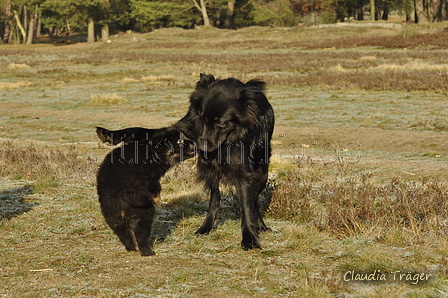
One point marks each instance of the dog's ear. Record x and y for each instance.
(257, 83)
(205, 80)
(251, 111)
(248, 99)
(253, 100)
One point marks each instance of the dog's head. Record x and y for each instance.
(222, 111)
(171, 142)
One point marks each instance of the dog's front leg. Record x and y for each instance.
(249, 216)
(214, 206)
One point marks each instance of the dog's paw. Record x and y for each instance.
(250, 245)
(203, 230)
(147, 252)
(264, 229)
(207, 226)
(250, 241)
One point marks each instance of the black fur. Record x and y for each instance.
(128, 184)
(127, 135)
(232, 123)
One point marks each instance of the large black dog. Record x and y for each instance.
(128, 183)
(231, 124)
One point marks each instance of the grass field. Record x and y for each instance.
(359, 169)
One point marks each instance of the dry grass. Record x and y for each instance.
(13, 66)
(46, 169)
(16, 85)
(352, 206)
(106, 100)
(387, 212)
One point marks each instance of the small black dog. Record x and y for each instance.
(231, 124)
(128, 183)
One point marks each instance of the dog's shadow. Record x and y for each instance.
(12, 202)
(170, 214)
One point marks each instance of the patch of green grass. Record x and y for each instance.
(45, 182)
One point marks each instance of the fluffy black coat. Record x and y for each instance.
(232, 124)
(128, 183)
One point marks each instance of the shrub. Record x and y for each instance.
(46, 169)
(350, 207)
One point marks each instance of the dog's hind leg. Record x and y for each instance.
(142, 231)
(124, 234)
(214, 207)
(258, 185)
(261, 226)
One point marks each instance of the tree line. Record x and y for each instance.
(21, 21)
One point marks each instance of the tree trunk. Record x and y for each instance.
(230, 17)
(25, 17)
(372, 10)
(91, 31)
(421, 12)
(105, 32)
(32, 26)
(19, 24)
(204, 13)
(360, 13)
(385, 15)
(441, 11)
(8, 14)
(38, 26)
(29, 40)
(203, 9)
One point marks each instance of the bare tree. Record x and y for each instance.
(32, 26)
(19, 24)
(91, 30)
(105, 32)
(8, 21)
(203, 9)
(429, 11)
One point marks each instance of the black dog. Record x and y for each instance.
(232, 125)
(128, 183)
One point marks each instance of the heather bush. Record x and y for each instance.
(354, 206)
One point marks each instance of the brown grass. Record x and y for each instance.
(47, 169)
(328, 86)
(350, 206)
(106, 100)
